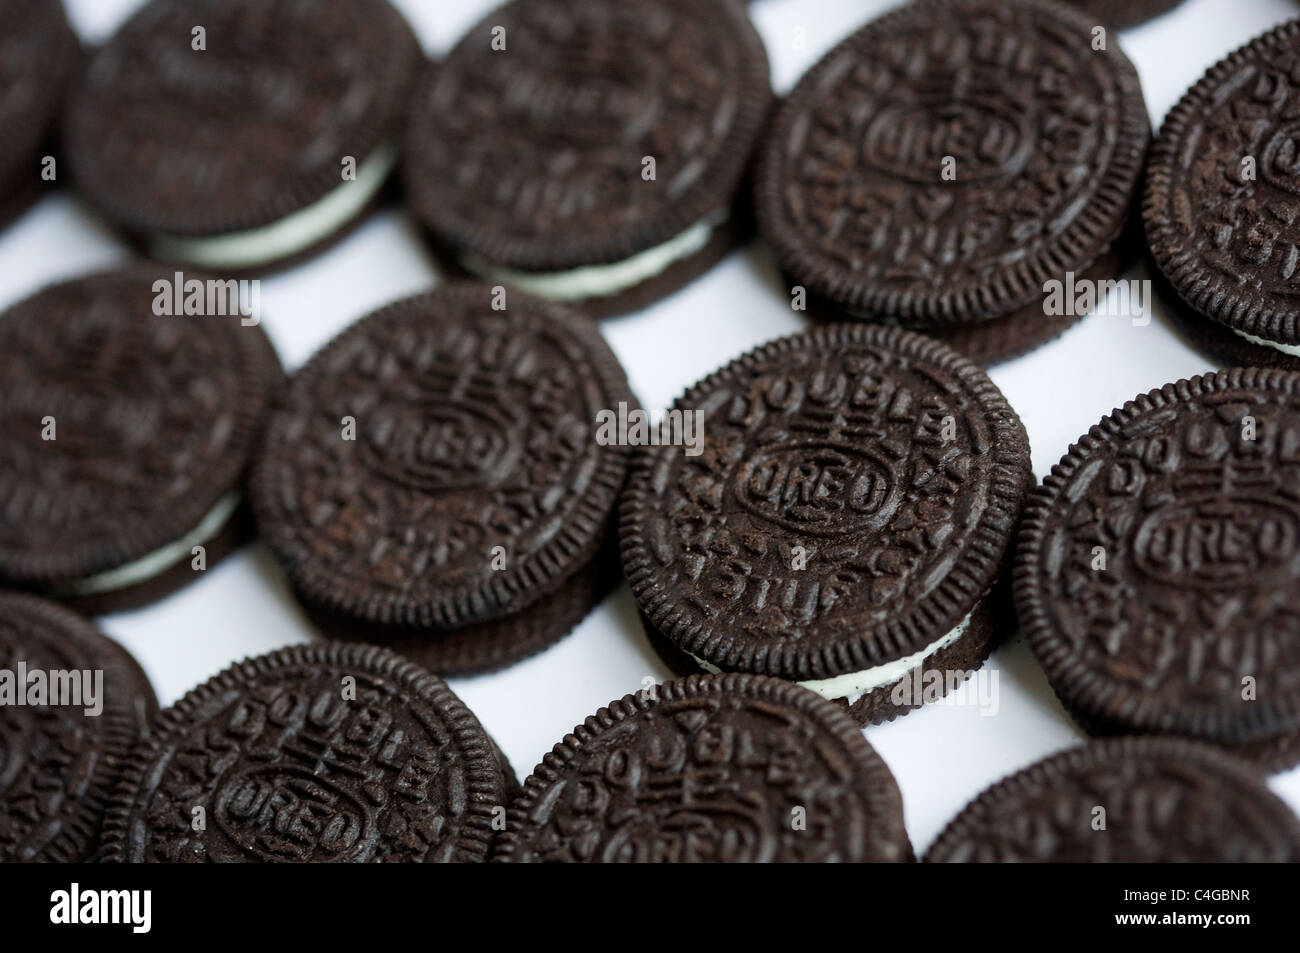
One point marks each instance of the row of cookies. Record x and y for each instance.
(220, 138)
(349, 753)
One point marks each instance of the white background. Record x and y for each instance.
(942, 756)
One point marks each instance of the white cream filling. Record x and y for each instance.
(288, 236)
(853, 685)
(1292, 349)
(163, 558)
(598, 281)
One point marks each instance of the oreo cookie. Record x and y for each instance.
(1158, 568)
(732, 768)
(1222, 193)
(945, 163)
(590, 152)
(75, 704)
(846, 524)
(39, 59)
(336, 753)
(240, 134)
(1123, 14)
(125, 434)
(432, 480)
(1126, 800)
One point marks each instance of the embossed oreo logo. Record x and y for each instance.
(990, 138)
(443, 446)
(720, 829)
(818, 489)
(279, 813)
(1219, 543)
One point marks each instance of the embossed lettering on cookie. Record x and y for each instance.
(241, 134)
(1158, 568)
(39, 55)
(432, 480)
(1222, 201)
(942, 165)
(327, 753)
(125, 435)
(729, 768)
(846, 525)
(591, 151)
(1126, 800)
(74, 705)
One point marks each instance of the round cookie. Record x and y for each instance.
(39, 58)
(125, 436)
(1221, 199)
(75, 704)
(436, 467)
(338, 753)
(239, 134)
(1158, 567)
(1123, 14)
(731, 768)
(846, 524)
(590, 152)
(1164, 801)
(923, 174)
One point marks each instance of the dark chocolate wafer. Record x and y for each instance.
(947, 161)
(846, 522)
(328, 753)
(590, 152)
(730, 768)
(1126, 800)
(1158, 568)
(239, 134)
(74, 704)
(436, 467)
(125, 431)
(1222, 199)
(39, 59)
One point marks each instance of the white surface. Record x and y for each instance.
(942, 756)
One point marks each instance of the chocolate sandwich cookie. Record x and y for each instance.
(1221, 203)
(730, 768)
(945, 163)
(846, 524)
(1122, 14)
(240, 134)
(39, 58)
(73, 704)
(1126, 800)
(433, 481)
(1158, 568)
(590, 152)
(326, 753)
(125, 434)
